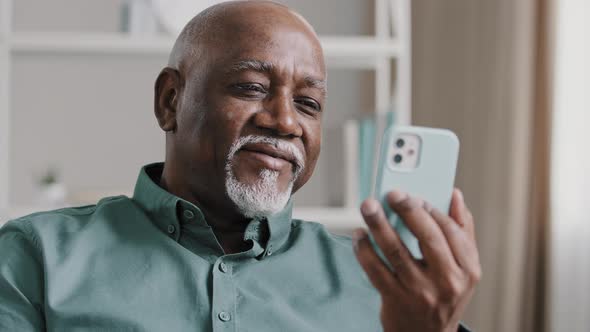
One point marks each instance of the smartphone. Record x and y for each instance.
(421, 162)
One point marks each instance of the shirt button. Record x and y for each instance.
(224, 316)
(188, 214)
(171, 228)
(223, 267)
(269, 250)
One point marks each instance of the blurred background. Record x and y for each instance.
(511, 78)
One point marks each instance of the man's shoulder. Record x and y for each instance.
(62, 221)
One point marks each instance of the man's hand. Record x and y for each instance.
(421, 295)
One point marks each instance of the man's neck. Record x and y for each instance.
(228, 224)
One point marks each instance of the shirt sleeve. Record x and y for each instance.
(21, 280)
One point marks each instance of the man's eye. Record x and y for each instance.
(309, 103)
(250, 88)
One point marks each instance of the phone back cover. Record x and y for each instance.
(432, 180)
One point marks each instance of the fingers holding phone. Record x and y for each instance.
(428, 294)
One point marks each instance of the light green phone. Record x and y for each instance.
(421, 162)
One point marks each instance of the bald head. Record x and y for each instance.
(224, 22)
(241, 71)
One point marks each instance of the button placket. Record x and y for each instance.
(223, 300)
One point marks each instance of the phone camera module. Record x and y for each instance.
(397, 158)
(400, 143)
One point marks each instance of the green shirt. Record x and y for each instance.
(152, 263)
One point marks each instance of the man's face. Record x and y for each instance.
(253, 118)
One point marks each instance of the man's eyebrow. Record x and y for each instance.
(251, 64)
(267, 67)
(317, 83)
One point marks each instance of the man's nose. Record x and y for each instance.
(280, 116)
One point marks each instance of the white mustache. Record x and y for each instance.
(286, 147)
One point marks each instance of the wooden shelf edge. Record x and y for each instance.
(118, 43)
(331, 217)
(99, 43)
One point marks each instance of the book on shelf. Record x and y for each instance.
(361, 145)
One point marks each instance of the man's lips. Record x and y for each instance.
(272, 157)
(271, 151)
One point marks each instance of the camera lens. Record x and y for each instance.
(397, 158)
(400, 143)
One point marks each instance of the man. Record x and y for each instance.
(207, 241)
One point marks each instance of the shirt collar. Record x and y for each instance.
(168, 212)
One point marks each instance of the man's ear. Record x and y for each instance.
(167, 95)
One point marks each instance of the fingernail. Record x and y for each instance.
(357, 236)
(369, 207)
(427, 207)
(460, 196)
(397, 196)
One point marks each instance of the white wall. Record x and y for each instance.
(570, 278)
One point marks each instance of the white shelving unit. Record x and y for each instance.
(390, 44)
(5, 119)
(368, 49)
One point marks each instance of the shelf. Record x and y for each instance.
(359, 46)
(88, 43)
(113, 43)
(333, 218)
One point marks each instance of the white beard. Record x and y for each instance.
(262, 198)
